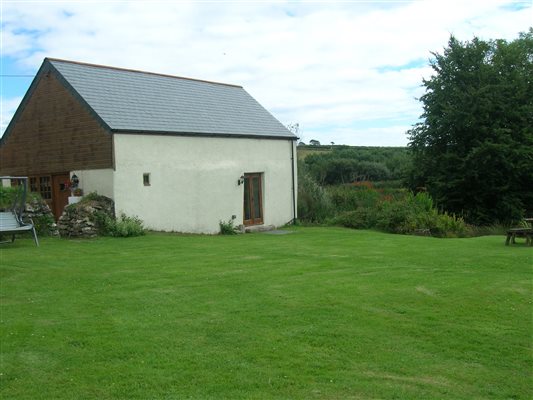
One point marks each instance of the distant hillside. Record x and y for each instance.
(337, 164)
(305, 150)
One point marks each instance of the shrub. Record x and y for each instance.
(128, 226)
(314, 203)
(415, 213)
(351, 197)
(123, 227)
(228, 228)
(373, 170)
(450, 226)
(422, 201)
(361, 205)
(92, 196)
(396, 217)
(44, 224)
(400, 212)
(361, 218)
(6, 196)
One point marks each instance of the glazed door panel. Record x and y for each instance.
(253, 199)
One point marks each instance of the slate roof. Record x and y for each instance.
(143, 102)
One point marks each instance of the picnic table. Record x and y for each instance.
(526, 233)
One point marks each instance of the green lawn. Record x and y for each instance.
(323, 313)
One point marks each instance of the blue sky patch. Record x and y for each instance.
(418, 63)
(14, 80)
(517, 5)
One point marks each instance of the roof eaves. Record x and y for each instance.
(204, 134)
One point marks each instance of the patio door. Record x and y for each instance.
(253, 199)
(54, 190)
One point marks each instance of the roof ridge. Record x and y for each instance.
(139, 71)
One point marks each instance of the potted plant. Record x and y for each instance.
(75, 191)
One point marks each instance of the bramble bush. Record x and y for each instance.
(406, 215)
(362, 206)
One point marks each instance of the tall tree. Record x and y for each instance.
(473, 149)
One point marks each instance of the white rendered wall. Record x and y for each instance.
(96, 180)
(193, 180)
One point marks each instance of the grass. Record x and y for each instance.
(325, 313)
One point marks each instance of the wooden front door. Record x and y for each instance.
(60, 193)
(253, 199)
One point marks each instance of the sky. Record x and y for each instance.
(348, 72)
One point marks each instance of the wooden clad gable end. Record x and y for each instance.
(54, 133)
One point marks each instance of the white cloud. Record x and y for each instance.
(8, 107)
(319, 64)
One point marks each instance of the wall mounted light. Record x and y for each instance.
(240, 181)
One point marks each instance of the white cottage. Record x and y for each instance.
(181, 154)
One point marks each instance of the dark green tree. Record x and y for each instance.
(473, 150)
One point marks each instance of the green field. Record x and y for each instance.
(320, 313)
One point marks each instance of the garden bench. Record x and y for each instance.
(11, 221)
(526, 233)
